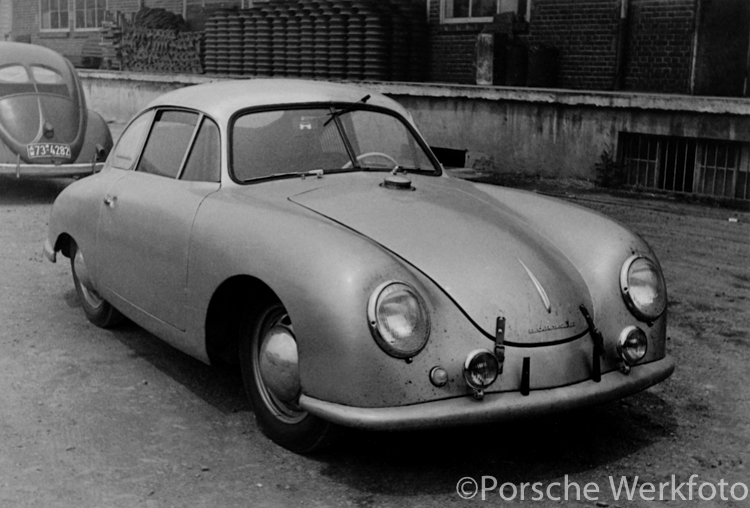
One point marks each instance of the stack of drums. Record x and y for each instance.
(249, 43)
(263, 43)
(234, 45)
(324, 39)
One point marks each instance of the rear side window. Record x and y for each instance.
(14, 80)
(168, 142)
(129, 146)
(204, 162)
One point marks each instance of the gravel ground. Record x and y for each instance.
(95, 418)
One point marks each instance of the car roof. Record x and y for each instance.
(222, 99)
(27, 54)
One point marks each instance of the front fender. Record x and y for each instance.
(597, 246)
(324, 275)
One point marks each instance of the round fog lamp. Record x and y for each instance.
(480, 369)
(632, 345)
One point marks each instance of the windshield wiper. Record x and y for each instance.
(294, 174)
(337, 113)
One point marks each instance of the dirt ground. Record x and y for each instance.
(95, 418)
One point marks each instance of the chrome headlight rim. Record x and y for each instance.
(625, 349)
(374, 322)
(470, 371)
(627, 295)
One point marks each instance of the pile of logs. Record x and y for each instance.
(111, 37)
(152, 40)
(161, 50)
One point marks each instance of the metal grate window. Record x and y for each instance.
(700, 166)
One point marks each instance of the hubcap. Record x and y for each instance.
(277, 370)
(84, 281)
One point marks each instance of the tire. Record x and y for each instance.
(282, 421)
(99, 311)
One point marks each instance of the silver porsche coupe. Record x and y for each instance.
(305, 231)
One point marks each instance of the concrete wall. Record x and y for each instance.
(536, 131)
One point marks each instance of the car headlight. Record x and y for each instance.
(481, 369)
(632, 345)
(398, 319)
(643, 288)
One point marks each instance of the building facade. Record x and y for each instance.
(699, 47)
(696, 47)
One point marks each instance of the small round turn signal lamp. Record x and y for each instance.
(632, 346)
(438, 377)
(481, 369)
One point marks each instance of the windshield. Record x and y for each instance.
(294, 141)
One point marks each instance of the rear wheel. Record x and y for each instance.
(270, 372)
(97, 309)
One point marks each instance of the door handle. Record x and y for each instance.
(110, 201)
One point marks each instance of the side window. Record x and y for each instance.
(129, 146)
(204, 161)
(166, 145)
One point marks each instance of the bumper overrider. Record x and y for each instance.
(494, 407)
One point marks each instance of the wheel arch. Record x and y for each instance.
(63, 244)
(233, 300)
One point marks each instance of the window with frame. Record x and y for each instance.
(129, 145)
(204, 160)
(167, 143)
(54, 14)
(89, 13)
(481, 10)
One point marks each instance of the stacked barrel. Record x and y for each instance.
(337, 39)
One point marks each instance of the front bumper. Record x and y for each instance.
(495, 407)
(51, 170)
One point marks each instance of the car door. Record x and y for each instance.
(146, 221)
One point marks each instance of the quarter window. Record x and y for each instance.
(129, 146)
(168, 142)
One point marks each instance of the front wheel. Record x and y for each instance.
(270, 373)
(98, 310)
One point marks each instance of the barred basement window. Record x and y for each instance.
(700, 166)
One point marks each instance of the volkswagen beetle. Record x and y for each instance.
(45, 127)
(305, 231)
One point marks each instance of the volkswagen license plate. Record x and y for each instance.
(39, 150)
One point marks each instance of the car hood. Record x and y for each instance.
(481, 253)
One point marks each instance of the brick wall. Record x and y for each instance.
(452, 49)
(660, 46)
(453, 53)
(584, 33)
